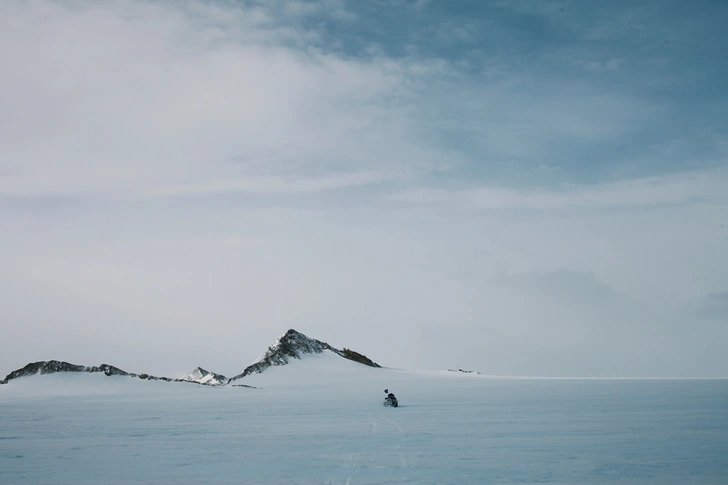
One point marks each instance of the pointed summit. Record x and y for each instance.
(294, 345)
(203, 376)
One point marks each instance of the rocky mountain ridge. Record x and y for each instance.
(55, 366)
(291, 345)
(294, 345)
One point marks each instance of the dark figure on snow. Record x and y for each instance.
(390, 400)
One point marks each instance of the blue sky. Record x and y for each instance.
(523, 188)
(627, 89)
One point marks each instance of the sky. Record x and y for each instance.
(518, 188)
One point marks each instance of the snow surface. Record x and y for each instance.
(320, 420)
(205, 377)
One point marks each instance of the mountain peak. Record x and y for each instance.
(203, 376)
(294, 345)
(290, 345)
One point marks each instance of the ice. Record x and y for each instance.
(320, 420)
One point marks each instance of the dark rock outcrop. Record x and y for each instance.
(55, 366)
(293, 345)
(461, 371)
(109, 370)
(357, 357)
(44, 367)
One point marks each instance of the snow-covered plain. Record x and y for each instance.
(320, 420)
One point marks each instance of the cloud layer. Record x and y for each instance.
(514, 188)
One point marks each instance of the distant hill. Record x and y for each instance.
(291, 345)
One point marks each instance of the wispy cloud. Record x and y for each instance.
(547, 176)
(695, 187)
(271, 185)
(143, 95)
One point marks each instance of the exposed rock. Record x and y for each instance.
(54, 366)
(109, 370)
(293, 345)
(461, 371)
(357, 357)
(44, 367)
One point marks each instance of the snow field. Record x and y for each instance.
(321, 421)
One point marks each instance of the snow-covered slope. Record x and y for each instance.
(324, 370)
(291, 345)
(315, 417)
(295, 345)
(320, 420)
(203, 376)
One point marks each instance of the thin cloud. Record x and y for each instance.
(271, 185)
(365, 169)
(677, 189)
(156, 98)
